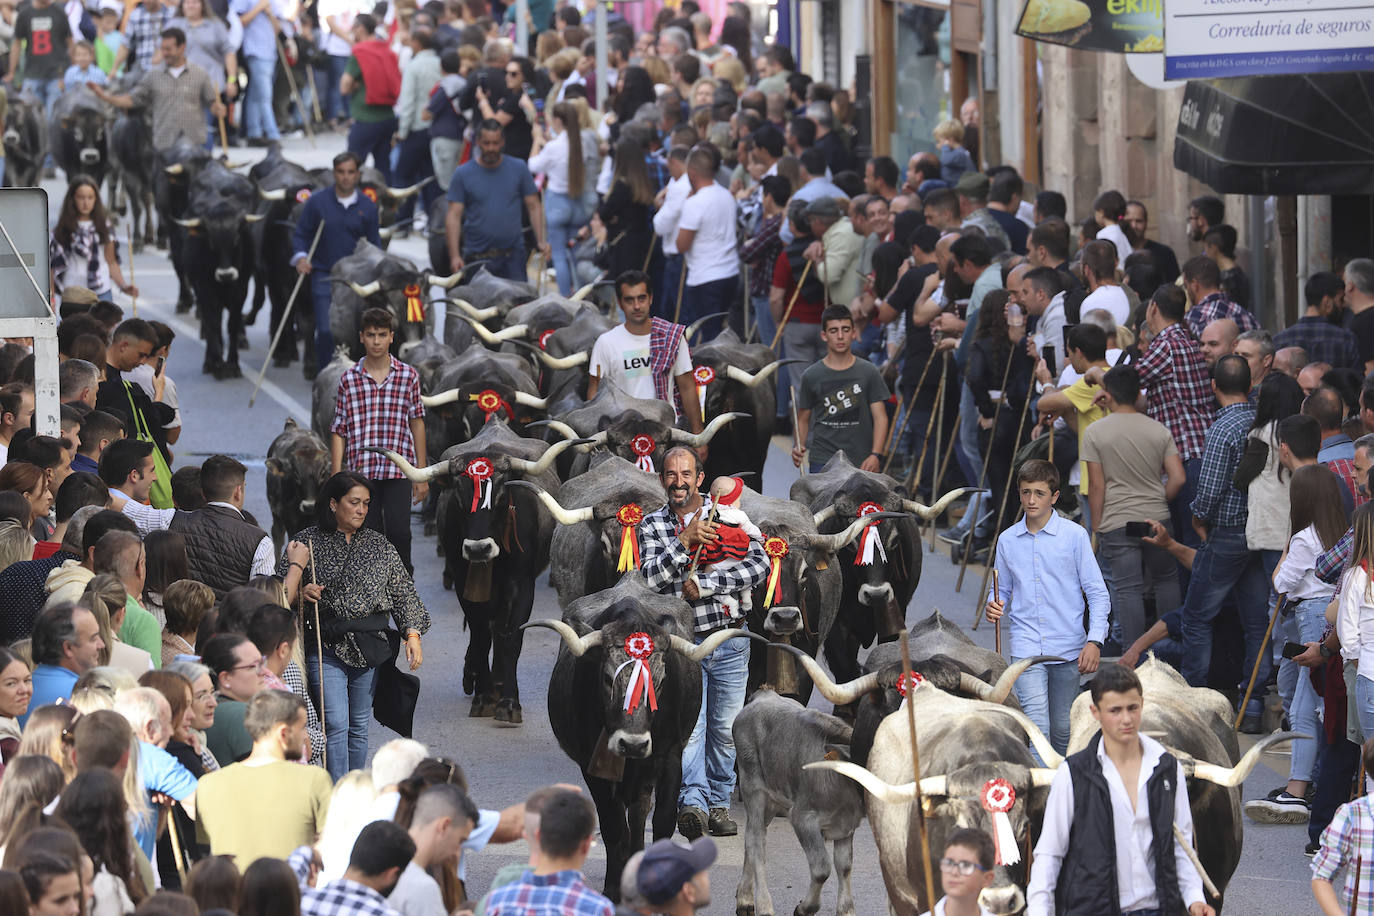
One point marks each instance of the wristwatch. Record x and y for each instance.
(1325, 652)
(1094, 642)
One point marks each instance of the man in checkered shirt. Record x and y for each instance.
(668, 539)
(381, 853)
(378, 406)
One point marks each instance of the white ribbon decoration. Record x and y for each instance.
(639, 670)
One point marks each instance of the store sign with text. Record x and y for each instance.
(1221, 38)
(1115, 26)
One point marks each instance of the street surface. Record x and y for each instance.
(503, 764)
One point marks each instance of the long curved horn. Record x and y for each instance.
(1037, 738)
(577, 645)
(696, 325)
(839, 694)
(823, 516)
(558, 426)
(480, 329)
(513, 332)
(419, 475)
(367, 289)
(583, 293)
(1002, 689)
(278, 194)
(1230, 777)
(561, 515)
(176, 169)
(976, 686)
(529, 400)
(471, 310)
(935, 785)
(411, 191)
(564, 362)
(187, 223)
(386, 232)
(926, 513)
(754, 379)
(833, 542)
(882, 791)
(444, 397)
(697, 440)
(1041, 777)
(711, 643)
(254, 217)
(545, 460)
(448, 282)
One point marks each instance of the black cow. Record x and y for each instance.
(177, 168)
(742, 382)
(26, 141)
(371, 278)
(325, 389)
(77, 136)
(132, 171)
(220, 245)
(630, 759)
(297, 467)
(459, 384)
(283, 186)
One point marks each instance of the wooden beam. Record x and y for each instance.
(884, 94)
(1030, 122)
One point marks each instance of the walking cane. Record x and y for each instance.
(285, 315)
(915, 474)
(796, 439)
(1001, 511)
(918, 803)
(178, 853)
(997, 624)
(1355, 894)
(1254, 673)
(295, 93)
(223, 134)
(895, 433)
(787, 314)
(649, 255)
(134, 304)
(314, 93)
(983, 474)
(1197, 863)
(319, 660)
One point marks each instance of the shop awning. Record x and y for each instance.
(1311, 134)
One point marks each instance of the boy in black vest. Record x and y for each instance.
(1107, 847)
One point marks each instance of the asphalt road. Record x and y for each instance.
(504, 764)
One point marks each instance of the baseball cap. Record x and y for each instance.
(666, 866)
(973, 185)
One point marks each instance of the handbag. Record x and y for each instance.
(161, 493)
(397, 692)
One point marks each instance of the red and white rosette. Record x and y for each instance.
(776, 548)
(870, 539)
(370, 194)
(909, 681)
(479, 471)
(643, 446)
(639, 646)
(302, 195)
(703, 375)
(998, 797)
(544, 338)
(629, 516)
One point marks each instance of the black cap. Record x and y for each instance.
(666, 866)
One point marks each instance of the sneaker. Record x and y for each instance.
(953, 536)
(691, 822)
(720, 823)
(1252, 725)
(1310, 849)
(1278, 808)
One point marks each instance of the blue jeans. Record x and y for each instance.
(1364, 699)
(666, 293)
(373, 139)
(707, 299)
(967, 453)
(347, 710)
(331, 100)
(708, 760)
(321, 291)
(1046, 693)
(510, 267)
(565, 215)
(1224, 564)
(1136, 569)
(258, 118)
(765, 327)
(1310, 618)
(414, 165)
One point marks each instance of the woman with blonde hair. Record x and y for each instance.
(547, 45)
(29, 786)
(50, 732)
(658, 70)
(729, 69)
(566, 160)
(350, 810)
(16, 543)
(703, 94)
(107, 600)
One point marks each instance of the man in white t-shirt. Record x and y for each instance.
(646, 357)
(1099, 273)
(706, 238)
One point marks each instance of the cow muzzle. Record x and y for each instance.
(1004, 899)
(226, 274)
(631, 745)
(481, 551)
(11, 138)
(307, 507)
(875, 595)
(90, 156)
(782, 621)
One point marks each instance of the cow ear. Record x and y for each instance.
(604, 423)
(277, 468)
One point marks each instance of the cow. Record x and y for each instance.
(628, 747)
(492, 533)
(219, 214)
(740, 380)
(324, 392)
(132, 171)
(371, 278)
(283, 187)
(428, 356)
(487, 298)
(564, 354)
(477, 384)
(775, 737)
(26, 141)
(177, 168)
(388, 199)
(586, 545)
(297, 467)
(77, 135)
(880, 571)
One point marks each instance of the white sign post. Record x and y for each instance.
(25, 293)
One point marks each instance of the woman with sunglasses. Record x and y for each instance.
(511, 107)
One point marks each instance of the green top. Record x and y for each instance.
(141, 630)
(256, 812)
(358, 109)
(226, 737)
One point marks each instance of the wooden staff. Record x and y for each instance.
(787, 314)
(295, 93)
(916, 772)
(681, 279)
(1357, 787)
(894, 434)
(983, 473)
(314, 94)
(1355, 894)
(696, 556)
(1254, 673)
(319, 660)
(1197, 863)
(223, 134)
(796, 440)
(996, 594)
(649, 255)
(285, 317)
(936, 410)
(134, 304)
(178, 853)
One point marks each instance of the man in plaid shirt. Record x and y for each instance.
(381, 853)
(567, 826)
(1319, 332)
(1202, 281)
(378, 406)
(668, 538)
(143, 34)
(1347, 841)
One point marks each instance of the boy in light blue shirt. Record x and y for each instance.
(1046, 564)
(83, 69)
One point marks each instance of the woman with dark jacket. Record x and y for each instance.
(998, 370)
(625, 232)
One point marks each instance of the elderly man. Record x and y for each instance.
(1310, 378)
(1256, 348)
(1290, 361)
(836, 251)
(1218, 339)
(66, 644)
(973, 207)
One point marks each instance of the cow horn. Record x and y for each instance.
(529, 400)
(411, 191)
(697, 440)
(564, 362)
(513, 332)
(583, 293)
(278, 194)
(1037, 738)
(1041, 777)
(367, 289)
(834, 542)
(480, 329)
(448, 282)
(450, 396)
(698, 653)
(839, 694)
(998, 692)
(926, 513)
(558, 426)
(1230, 777)
(561, 515)
(254, 217)
(419, 475)
(754, 379)
(386, 232)
(187, 223)
(696, 325)
(577, 645)
(876, 787)
(472, 311)
(935, 785)
(545, 460)
(175, 169)
(823, 516)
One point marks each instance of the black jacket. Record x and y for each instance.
(220, 544)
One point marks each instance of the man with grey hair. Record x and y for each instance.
(836, 251)
(1359, 299)
(837, 155)
(77, 382)
(66, 644)
(1256, 347)
(1290, 361)
(673, 41)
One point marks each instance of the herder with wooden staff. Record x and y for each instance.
(1045, 567)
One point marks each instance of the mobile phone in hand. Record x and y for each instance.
(1047, 354)
(1138, 529)
(1293, 649)
(161, 361)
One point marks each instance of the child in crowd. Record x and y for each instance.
(83, 69)
(965, 870)
(82, 250)
(446, 121)
(954, 159)
(108, 38)
(735, 532)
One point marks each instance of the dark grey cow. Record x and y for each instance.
(372, 278)
(77, 134)
(479, 383)
(132, 178)
(487, 298)
(284, 187)
(325, 390)
(297, 467)
(26, 141)
(743, 381)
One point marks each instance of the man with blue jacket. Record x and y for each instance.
(347, 216)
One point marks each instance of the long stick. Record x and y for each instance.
(787, 314)
(983, 475)
(134, 304)
(223, 134)
(314, 94)
(1355, 894)
(696, 555)
(996, 594)
(895, 433)
(796, 430)
(178, 854)
(1197, 863)
(285, 316)
(1259, 657)
(1001, 511)
(319, 661)
(681, 280)
(916, 772)
(295, 93)
(935, 412)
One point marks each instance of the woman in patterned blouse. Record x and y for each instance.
(359, 584)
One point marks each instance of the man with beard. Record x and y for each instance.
(381, 853)
(668, 540)
(267, 805)
(484, 207)
(1319, 332)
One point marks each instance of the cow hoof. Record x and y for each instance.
(482, 707)
(183, 307)
(469, 681)
(283, 361)
(744, 910)
(243, 340)
(211, 368)
(508, 713)
(229, 370)
(309, 370)
(448, 582)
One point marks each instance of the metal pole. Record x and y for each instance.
(522, 27)
(1262, 304)
(603, 82)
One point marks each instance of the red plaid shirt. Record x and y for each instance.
(369, 414)
(1178, 388)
